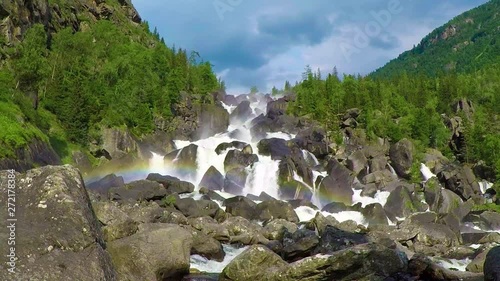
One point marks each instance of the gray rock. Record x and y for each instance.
(59, 236)
(401, 154)
(275, 209)
(212, 179)
(156, 252)
(492, 265)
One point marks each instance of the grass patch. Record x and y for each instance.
(16, 132)
(487, 207)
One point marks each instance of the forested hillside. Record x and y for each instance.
(443, 94)
(456, 114)
(469, 42)
(69, 68)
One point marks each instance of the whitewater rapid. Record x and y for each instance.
(262, 177)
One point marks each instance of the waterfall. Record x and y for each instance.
(426, 172)
(156, 163)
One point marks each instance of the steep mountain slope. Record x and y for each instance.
(71, 70)
(468, 42)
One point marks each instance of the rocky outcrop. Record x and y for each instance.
(59, 237)
(337, 186)
(492, 266)
(37, 153)
(147, 255)
(376, 261)
(18, 16)
(195, 120)
(460, 180)
(401, 154)
(213, 179)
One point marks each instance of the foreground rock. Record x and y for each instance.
(362, 262)
(59, 238)
(492, 265)
(149, 254)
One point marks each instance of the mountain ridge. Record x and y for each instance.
(468, 42)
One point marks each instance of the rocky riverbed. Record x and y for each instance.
(266, 196)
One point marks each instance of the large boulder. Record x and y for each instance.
(277, 108)
(235, 180)
(103, 185)
(255, 263)
(160, 143)
(334, 239)
(374, 214)
(276, 209)
(156, 252)
(357, 162)
(227, 145)
(172, 184)
(142, 190)
(276, 229)
(116, 223)
(206, 246)
(244, 231)
(360, 262)
(492, 265)
(274, 147)
(337, 186)
(460, 180)
(212, 119)
(210, 227)
(299, 244)
(313, 140)
(117, 142)
(402, 203)
(457, 141)
(242, 112)
(186, 160)
(197, 208)
(58, 235)
(491, 220)
(294, 190)
(241, 206)
(239, 159)
(401, 154)
(212, 179)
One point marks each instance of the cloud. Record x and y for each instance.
(264, 43)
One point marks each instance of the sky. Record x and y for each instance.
(264, 43)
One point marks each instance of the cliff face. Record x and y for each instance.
(17, 16)
(37, 153)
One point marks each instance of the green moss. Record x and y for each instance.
(487, 207)
(168, 201)
(16, 132)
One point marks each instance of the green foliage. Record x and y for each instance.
(410, 107)
(487, 207)
(168, 201)
(64, 87)
(101, 77)
(465, 44)
(15, 132)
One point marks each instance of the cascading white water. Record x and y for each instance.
(210, 266)
(156, 163)
(392, 169)
(426, 172)
(263, 177)
(485, 185)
